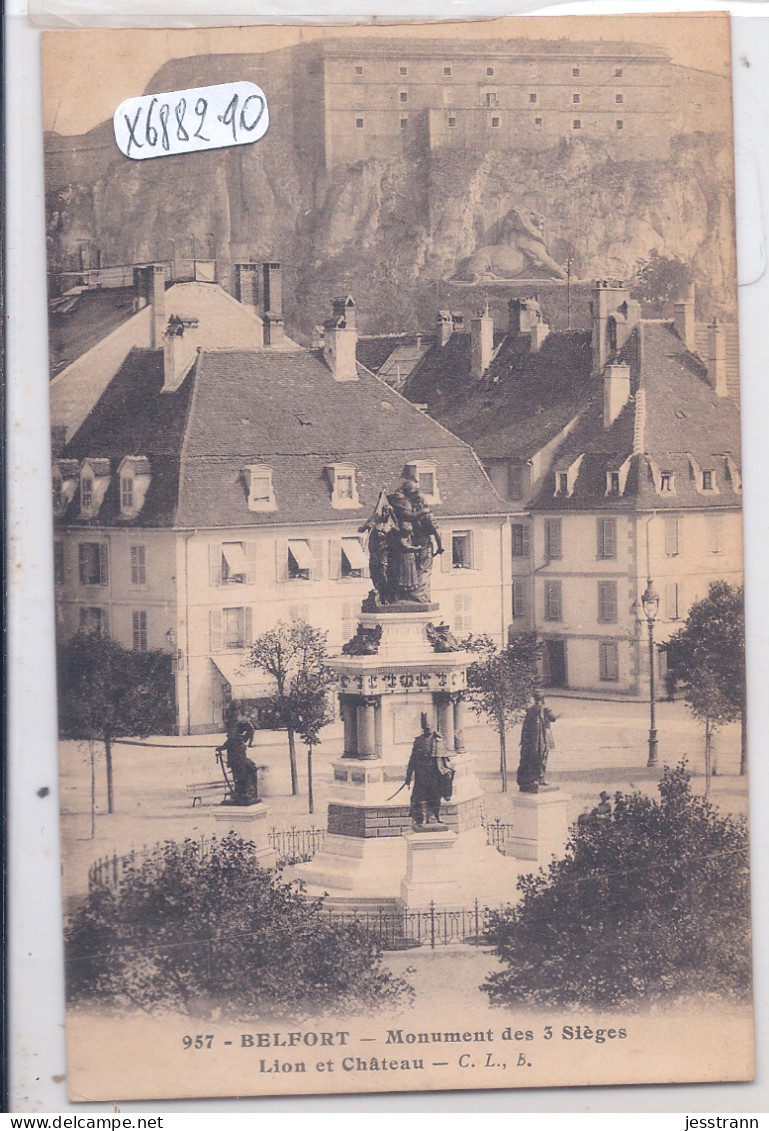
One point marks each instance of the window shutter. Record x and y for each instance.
(250, 552)
(526, 534)
(348, 613)
(366, 569)
(215, 622)
(610, 538)
(519, 600)
(447, 557)
(316, 546)
(105, 620)
(671, 601)
(103, 564)
(248, 626)
(335, 558)
(82, 562)
(281, 559)
(215, 563)
(477, 547)
(672, 536)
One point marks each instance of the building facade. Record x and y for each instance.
(202, 500)
(620, 450)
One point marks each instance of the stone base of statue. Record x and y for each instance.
(431, 865)
(250, 822)
(540, 824)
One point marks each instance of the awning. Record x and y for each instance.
(235, 558)
(301, 553)
(245, 682)
(353, 551)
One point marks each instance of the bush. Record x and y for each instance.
(205, 929)
(652, 901)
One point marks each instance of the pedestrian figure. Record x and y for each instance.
(536, 744)
(430, 769)
(603, 809)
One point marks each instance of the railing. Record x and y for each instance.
(432, 927)
(293, 845)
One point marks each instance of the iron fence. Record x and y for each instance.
(291, 846)
(295, 845)
(432, 926)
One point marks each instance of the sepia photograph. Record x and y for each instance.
(396, 490)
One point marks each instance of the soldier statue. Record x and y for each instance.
(430, 769)
(536, 744)
(240, 734)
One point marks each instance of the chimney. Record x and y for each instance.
(615, 315)
(179, 353)
(523, 313)
(481, 344)
(717, 357)
(150, 290)
(684, 320)
(272, 289)
(247, 285)
(616, 392)
(340, 339)
(444, 327)
(273, 329)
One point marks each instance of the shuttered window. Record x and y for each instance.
(139, 626)
(606, 529)
(553, 601)
(519, 599)
(607, 602)
(608, 661)
(521, 540)
(552, 539)
(671, 601)
(58, 562)
(672, 536)
(463, 613)
(93, 563)
(138, 565)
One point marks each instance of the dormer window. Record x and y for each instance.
(612, 483)
(344, 487)
(667, 481)
(425, 475)
(562, 483)
(566, 479)
(86, 493)
(64, 478)
(261, 493)
(708, 480)
(134, 476)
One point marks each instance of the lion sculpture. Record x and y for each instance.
(520, 254)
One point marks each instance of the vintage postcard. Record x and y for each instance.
(396, 489)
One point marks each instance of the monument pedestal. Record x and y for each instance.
(541, 826)
(430, 870)
(250, 822)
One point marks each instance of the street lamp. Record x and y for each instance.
(650, 599)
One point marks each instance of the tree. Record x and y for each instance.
(659, 281)
(652, 901)
(108, 692)
(708, 656)
(501, 683)
(203, 928)
(311, 713)
(294, 655)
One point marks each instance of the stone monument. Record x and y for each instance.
(401, 675)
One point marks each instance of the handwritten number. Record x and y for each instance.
(243, 123)
(201, 108)
(228, 117)
(132, 138)
(180, 111)
(165, 110)
(150, 133)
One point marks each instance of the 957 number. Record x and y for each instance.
(198, 1042)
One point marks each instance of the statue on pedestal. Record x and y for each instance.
(403, 540)
(536, 744)
(240, 734)
(430, 769)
